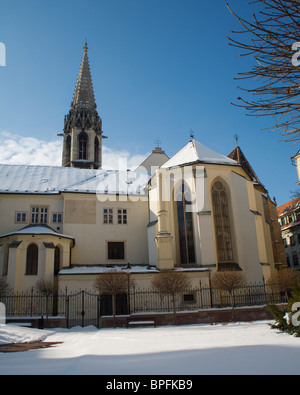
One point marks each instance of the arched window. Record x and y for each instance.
(222, 223)
(96, 150)
(82, 139)
(56, 260)
(68, 150)
(185, 225)
(32, 259)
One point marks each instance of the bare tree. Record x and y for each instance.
(3, 285)
(272, 38)
(283, 281)
(171, 283)
(45, 287)
(113, 283)
(228, 282)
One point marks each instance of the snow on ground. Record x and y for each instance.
(18, 334)
(236, 348)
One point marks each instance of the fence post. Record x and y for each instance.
(265, 290)
(201, 296)
(67, 311)
(82, 307)
(98, 311)
(31, 302)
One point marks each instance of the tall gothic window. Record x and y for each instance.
(185, 225)
(223, 229)
(97, 150)
(68, 150)
(56, 261)
(32, 259)
(82, 139)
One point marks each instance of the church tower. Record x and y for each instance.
(82, 146)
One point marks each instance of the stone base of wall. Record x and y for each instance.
(209, 316)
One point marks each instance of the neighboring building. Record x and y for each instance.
(154, 161)
(199, 212)
(289, 220)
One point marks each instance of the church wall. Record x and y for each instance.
(245, 245)
(10, 204)
(140, 280)
(85, 222)
(15, 259)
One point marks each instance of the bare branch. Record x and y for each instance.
(269, 38)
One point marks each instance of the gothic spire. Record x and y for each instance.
(83, 133)
(84, 92)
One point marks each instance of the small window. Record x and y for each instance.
(116, 250)
(189, 298)
(57, 218)
(108, 216)
(21, 217)
(122, 216)
(292, 241)
(39, 215)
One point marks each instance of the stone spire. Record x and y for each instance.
(84, 92)
(83, 127)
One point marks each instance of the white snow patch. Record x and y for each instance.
(236, 348)
(17, 334)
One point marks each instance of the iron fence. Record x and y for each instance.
(86, 307)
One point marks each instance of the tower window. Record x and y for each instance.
(82, 146)
(97, 156)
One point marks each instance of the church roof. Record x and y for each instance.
(195, 152)
(238, 155)
(21, 179)
(156, 159)
(37, 230)
(84, 92)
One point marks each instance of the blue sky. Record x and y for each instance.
(159, 69)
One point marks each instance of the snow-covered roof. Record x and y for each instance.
(55, 179)
(37, 230)
(23, 179)
(195, 152)
(121, 268)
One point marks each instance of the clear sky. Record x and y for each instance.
(160, 68)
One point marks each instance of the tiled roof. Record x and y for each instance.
(288, 207)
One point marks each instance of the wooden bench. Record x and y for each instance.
(140, 322)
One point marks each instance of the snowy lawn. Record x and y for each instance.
(236, 348)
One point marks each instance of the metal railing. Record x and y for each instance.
(86, 307)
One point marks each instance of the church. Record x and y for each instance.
(196, 212)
